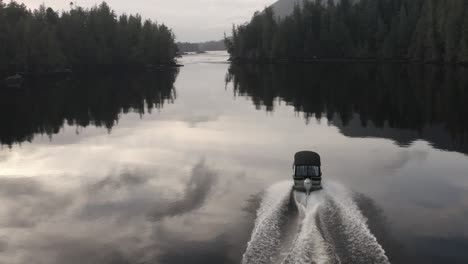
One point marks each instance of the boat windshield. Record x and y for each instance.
(304, 171)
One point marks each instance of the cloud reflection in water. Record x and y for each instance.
(117, 219)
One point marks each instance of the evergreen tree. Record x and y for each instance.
(463, 54)
(403, 32)
(452, 28)
(3, 36)
(43, 40)
(422, 30)
(424, 46)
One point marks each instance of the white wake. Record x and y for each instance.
(266, 236)
(361, 245)
(332, 230)
(310, 246)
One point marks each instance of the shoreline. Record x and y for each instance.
(347, 61)
(89, 69)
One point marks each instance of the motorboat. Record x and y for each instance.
(307, 172)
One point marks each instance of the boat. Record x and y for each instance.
(307, 172)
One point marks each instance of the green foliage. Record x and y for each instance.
(420, 30)
(43, 40)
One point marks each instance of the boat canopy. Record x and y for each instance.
(307, 158)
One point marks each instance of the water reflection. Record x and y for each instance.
(399, 102)
(126, 217)
(182, 185)
(98, 100)
(195, 192)
(380, 227)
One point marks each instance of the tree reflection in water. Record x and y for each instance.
(43, 107)
(400, 102)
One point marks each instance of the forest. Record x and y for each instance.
(45, 40)
(201, 46)
(429, 31)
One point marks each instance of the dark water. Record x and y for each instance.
(189, 166)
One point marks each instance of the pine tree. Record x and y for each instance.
(452, 27)
(3, 35)
(403, 32)
(463, 54)
(424, 45)
(422, 30)
(44, 41)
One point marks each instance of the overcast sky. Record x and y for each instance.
(191, 20)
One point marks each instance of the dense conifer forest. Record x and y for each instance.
(201, 46)
(418, 30)
(45, 40)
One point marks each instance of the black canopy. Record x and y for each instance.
(307, 158)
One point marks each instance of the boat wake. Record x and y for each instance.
(266, 236)
(329, 228)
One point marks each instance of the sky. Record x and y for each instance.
(191, 20)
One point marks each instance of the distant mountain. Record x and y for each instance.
(284, 8)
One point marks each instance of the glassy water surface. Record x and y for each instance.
(189, 166)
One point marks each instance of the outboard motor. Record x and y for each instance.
(308, 185)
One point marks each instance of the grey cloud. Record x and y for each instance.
(12, 187)
(196, 192)
(405, 156)
(144, 199)
(103, 199)
(3, 156)
(124, 180)
(27, 203)
(64, 237)
(102, 222)
(194, 121)
(3, 245)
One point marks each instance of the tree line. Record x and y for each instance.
(201, 46)
(419, 30)
(44, 40)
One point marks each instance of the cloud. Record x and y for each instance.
(195, 120)
(402, 159)
(110, 220)
(26, 202)
(14, 187)
(196, 192)
(124, 180)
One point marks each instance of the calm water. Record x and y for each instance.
(189, 166)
